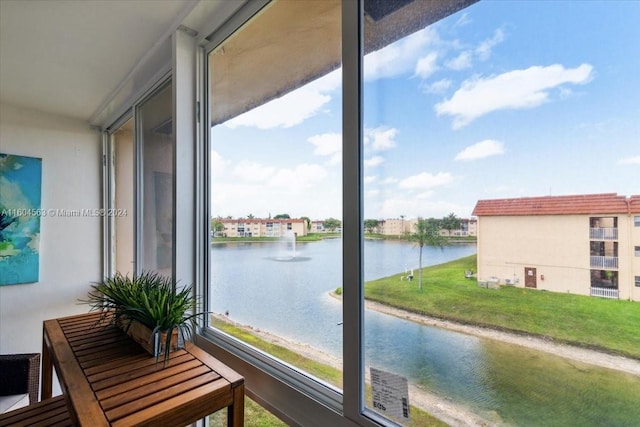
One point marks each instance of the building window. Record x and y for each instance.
(637, 281)
(636, 220)
(636, 250)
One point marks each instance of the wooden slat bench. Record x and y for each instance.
(47, 413)
(109, 380)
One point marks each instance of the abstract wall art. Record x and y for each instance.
(20, 212)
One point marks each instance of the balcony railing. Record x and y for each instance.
(602, 233)
(604, 292)
(604, 262)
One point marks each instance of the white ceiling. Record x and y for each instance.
(68, 56)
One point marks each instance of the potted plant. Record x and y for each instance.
(149, 307)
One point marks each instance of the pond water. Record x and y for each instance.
(257, 285)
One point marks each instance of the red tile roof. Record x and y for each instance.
(586, 204)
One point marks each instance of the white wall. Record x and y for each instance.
(70, 247)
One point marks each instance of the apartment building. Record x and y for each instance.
(581, 244)
(468, 227)
(258, 227)
(401, 226)
(396, 226)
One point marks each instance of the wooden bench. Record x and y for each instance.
(47, 413)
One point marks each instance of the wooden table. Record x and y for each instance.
(109, 380)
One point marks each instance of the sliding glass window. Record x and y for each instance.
(471, 156)
(121, 209)
(276, 186)
(492, 136)
(156, 190)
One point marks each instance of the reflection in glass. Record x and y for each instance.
(157, 151)
(122, 215)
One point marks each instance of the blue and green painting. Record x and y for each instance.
(20, 195)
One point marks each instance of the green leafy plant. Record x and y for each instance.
(150, 299)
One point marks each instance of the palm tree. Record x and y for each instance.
(427, 232)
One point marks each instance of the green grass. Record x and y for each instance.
(254, 416)
(604, 324)
(257, 416)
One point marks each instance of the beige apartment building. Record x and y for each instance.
(583, 244)
(468, 227)
(401, 226)
(396, 226)
(258, 227)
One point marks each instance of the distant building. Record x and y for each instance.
(468, 227)
(396, 226)
(585, 244)
(318, 227)
(257, 227)
(401, 226)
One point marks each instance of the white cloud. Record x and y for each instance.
(630, 161)
(427, 65)
(380, 139)
(516, 89)
(485, 47)
(218, 164)
(463, 20)
(460, 62)
(299, 178)
(397, 58)
(481, 150)
(373, 161)
(425, 181)
(253, 171)
(438, 87)
(292, 108)
(327, 144)
(286, 111)
(389, 180)
(369, 179)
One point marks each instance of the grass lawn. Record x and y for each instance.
(605, 324)
(257, 416)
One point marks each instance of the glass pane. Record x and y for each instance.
(276, 208)
(496, 139)
(122, 214)
(157, 148)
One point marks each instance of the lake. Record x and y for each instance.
(264, 285)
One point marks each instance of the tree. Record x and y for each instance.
(217, 226)
(427, 232)
(451, 222)
(250, 216)
(371, 224)
(282, 216)
(331, 224)
(306, 218)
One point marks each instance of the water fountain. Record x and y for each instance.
(287, 251)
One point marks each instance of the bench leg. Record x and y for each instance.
(235, 412)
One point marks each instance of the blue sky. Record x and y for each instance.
(502, 99)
